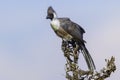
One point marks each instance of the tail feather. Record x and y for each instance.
(88, 58)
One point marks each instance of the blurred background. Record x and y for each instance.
(30, 50)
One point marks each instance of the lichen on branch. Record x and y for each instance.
(74, 72)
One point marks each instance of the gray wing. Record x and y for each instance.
(72, 28)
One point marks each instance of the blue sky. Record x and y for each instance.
(30, 50)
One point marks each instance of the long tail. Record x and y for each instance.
(88, 58)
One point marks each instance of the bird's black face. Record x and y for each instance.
(50, 16)
(50, 13)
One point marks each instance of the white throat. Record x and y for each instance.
(55, 24)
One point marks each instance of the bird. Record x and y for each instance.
(68, 30)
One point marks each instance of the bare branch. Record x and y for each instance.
(73, 72)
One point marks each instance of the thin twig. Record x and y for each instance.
(73, 72)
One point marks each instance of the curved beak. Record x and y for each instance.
(47, 17)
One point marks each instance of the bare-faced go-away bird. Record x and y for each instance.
(70, 31)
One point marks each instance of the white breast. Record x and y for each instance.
(55, 24)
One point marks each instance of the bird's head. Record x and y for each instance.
(51, 13)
